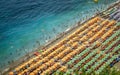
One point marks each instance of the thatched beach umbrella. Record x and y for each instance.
(19, 68)
(32, 73)
(30, 62)
(24, 72)
(35, 72)
(16, 69)
(11, 73)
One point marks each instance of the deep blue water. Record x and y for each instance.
(23, 22)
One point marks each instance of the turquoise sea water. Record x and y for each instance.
(23, 23)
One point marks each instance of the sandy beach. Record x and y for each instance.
(54, 41)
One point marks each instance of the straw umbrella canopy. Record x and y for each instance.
(17, 69)
(19, 74)
(29, 62)
(31, 67)
(38, 63)
(35, 72)
(37, 57)
(11, 73)
(25, 64)
(63, 69)
(34, 59)
(38, 69)
(40, 56)
(26, 70)
(23, 72)
(32, 73)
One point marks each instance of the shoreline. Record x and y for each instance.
(53, 41)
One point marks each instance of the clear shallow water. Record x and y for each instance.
(24, 22)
